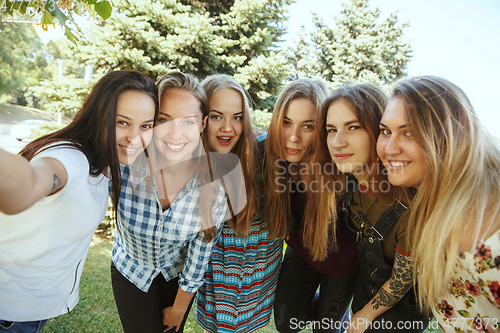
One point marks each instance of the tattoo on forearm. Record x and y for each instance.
(57, 183)
(400, 282)
(383, 298)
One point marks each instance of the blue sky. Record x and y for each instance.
(455, 39)
(458, 40)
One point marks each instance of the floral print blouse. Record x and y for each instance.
(472, 303)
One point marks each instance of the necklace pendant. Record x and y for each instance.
(360, 231)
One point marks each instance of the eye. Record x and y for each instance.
(189, 122)
(354, 127)
(238, 118)
(384, 131)
(121, 122)
(408, 134)
(331, 130)
(286, 123)
(215, 117)
(163, 120)
(308, 128)
(147, 126)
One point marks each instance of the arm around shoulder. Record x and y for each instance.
(23, 183)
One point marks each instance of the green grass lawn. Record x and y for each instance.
(96, 311)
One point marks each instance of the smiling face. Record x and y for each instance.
(403, 157)
(135, 113)
(225, 120)
(179, 125)
(297, 132)
(349, 144)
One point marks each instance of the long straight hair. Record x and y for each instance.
(190, 84)
(93, 129)
(458, 200)
(316, 231)
(246, 149)
(367, 102)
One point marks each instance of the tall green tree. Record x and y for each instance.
(237, 37)
(23, 59)
(67, 94)
(300, 57)
(360, 47)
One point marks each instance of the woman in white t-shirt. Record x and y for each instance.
(55, 194)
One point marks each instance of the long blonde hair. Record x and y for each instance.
(316, 231)
(246, 149)
(458, 200)
(190, 84)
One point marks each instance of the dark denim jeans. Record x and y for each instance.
(297, 301)
(22, 326)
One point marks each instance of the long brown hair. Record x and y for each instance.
(316, 232)
(367, 102)
(246, 149)
(93, 129)
(458, 200)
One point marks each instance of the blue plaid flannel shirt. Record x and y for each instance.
(150, 241)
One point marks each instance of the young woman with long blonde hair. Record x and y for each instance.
(238, 293)
(168, 224)
(432, 140)
(314, 256)
(349, 127)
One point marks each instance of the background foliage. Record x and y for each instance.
(57, 11)
(237, 37)
(234, 37)
(24, 60)
(66, 96)
(360, 48)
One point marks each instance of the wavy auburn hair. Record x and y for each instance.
(246, 149)
(316, 230)
(458, 200)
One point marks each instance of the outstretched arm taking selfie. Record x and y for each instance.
(391, 292)
(23, 183)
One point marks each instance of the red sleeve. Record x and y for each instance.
(404, 253)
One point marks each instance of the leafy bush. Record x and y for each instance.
(66, 96)
(47, 129)
(261, 119)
